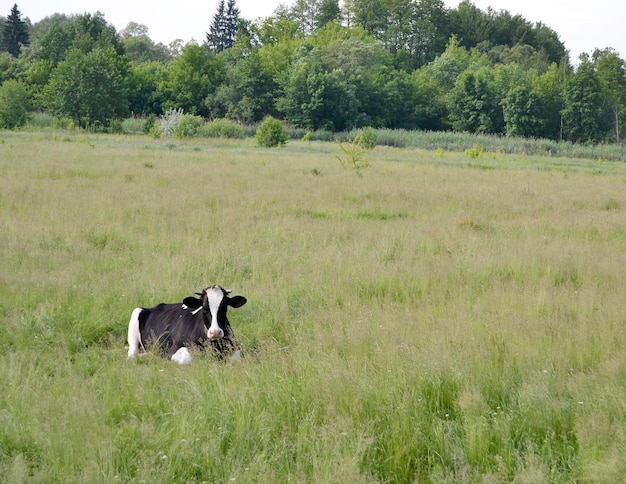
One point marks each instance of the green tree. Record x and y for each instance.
(448, 66)
(549, 86)
(366, 65)
(315, 98)
(413, 31)
(36, 78)
(223, 29)
(329, 11)
(84, 32)
(523, 109)
(191, 77)
(611, 70)
(9, 66)
(142, 84)
(92, 31)
(429, 109)
(138, 46)
(271, 133)
(14, 104)
(89, 88)
(14, 32)
(248, 93)
(56, 43)
(474, 104)
(582, 112)
(305, 13)
(492, 31)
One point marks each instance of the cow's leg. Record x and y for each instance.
(134, 335)
(182, 356)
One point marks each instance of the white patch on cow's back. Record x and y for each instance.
(182, 356)
(214, 295)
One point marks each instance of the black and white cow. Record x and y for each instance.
(173, 328)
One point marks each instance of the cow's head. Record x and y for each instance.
(215, 301)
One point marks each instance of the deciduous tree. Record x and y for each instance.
(89, 88)
(582, 112)
(611, 70)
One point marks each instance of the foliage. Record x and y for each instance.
(367, 138)
(354, 152)
(248, 92)
(149, 123)
(223, 29)
(314, 97)
(169, 121)
(89, 88)
(14, 32)
(222, 128)
(398, 64)
(271, 133)
(523, 112)
(474, 105)
(191, 77)
(14, 104)
(475, 152)
(582, 104)
(188, 126)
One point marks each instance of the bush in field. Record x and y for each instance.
(170, 120)
(355, 149)
(115, 126)
(367, 138)
(14, 101)
(149, 123)
(475, 151)
(271, 133)
(188, 126)
(222, 128)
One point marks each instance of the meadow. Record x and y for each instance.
(431, 318)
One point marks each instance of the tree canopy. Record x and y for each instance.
(321, 64)
(14, 32)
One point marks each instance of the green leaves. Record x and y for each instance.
(14, 101)
(89, 88)
(271, 133)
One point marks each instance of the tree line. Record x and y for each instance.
(320, 65)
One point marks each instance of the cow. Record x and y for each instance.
(174, 328)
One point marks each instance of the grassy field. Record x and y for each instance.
(438, 319)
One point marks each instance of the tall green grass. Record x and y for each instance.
(434, 320)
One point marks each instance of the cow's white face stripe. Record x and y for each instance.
(214, 297)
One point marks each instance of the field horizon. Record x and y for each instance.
(431, 318)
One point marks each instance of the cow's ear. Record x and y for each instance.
(237, 301)
(192, 302)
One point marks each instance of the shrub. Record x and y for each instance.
(149, 123)
(475, 151)
(170, 120)
(14, 101)
(271, 133)
(354, 154)
(222, 128)
(367, 138)
(115, 126)
(188, 126)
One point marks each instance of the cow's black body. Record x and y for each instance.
(171, 327)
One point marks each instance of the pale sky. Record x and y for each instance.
(582, 25)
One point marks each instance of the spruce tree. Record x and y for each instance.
(223, 29)
(14, 32)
